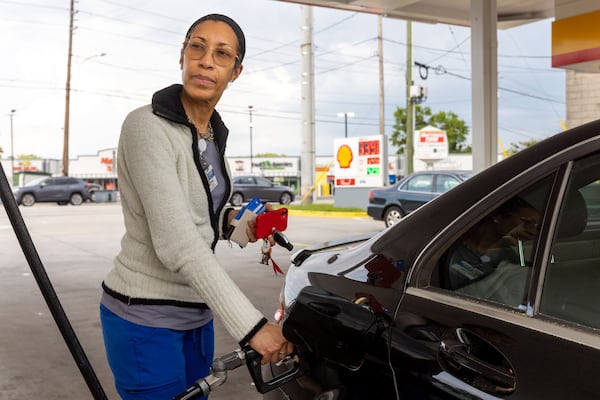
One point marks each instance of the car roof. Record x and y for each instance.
(429, 219)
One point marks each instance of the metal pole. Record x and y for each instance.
(307, 158)
(68, 95)
(345, 125)
(12, 151)
(251, 162)
(410, 109)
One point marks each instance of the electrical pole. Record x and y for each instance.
(410, 107)
(307, 158)
(384, 164)
(65, 160)
(381, 85)
(12, 149)
(251, 162)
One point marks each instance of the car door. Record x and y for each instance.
(416, 191)
(264, 189)
(47, 190)
(527, 330)
(246, 185)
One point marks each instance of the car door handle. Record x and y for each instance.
(457, 354)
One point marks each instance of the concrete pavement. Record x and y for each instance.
(76, 246)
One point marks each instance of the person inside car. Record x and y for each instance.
(490, 245)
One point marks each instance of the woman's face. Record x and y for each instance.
(209, 61)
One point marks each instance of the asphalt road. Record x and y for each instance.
(76, 246)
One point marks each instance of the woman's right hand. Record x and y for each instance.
(270, 343)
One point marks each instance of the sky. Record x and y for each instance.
(125, 50)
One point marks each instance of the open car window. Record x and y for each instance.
(492, 260)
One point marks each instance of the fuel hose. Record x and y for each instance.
(43, 281)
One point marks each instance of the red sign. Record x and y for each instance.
(431, 137)
(373, 160)
(345, 182)
(368, 148)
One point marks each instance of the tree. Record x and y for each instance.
(517, 147)
(456, 129)
(1, 151)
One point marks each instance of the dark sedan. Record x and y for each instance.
(489, 291)
(395, 202)
(247, 187)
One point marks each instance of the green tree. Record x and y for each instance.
(517, 147)
(1, 151)
(456, 129)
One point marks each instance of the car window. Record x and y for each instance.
(419, 183)
(492, 260)
(571, 289)
(36, 181)
(245, 181)
(443, 183)
(262, 181)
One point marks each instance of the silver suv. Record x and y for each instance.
(59, 189)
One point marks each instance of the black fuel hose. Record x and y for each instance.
(41, 277)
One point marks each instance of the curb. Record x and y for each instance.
(329, 214)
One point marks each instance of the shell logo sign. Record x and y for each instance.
(344, 156)
(358, 161)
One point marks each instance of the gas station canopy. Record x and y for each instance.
(455, 12)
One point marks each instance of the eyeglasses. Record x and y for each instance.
(196, 50)
(529, 222)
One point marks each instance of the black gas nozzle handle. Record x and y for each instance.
(282, 240)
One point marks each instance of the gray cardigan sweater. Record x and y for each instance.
(167, 253)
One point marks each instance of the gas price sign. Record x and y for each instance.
(359, 161)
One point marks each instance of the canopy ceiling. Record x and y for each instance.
(456, 12)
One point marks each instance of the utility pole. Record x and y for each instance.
(65, 160)
(410, 107)
(12, 149)
(251, 162)
(307, 158)
(384, 164)
(381, 85)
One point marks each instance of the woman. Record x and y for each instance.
(157, 304)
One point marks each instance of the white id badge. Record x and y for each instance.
(212, 178)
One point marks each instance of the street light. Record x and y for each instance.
(12, 152)
(346, 115)
(250, 113)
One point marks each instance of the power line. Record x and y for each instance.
(440, 70)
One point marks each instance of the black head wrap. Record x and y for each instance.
(223, 18)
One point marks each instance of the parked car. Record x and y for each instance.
(393, 203)
(246, 187)
(382, 318)
(59, 189)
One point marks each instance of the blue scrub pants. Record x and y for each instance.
(155, 363)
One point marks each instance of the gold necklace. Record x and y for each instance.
(208, 136)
